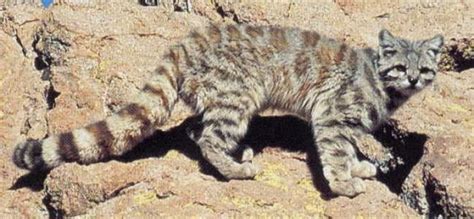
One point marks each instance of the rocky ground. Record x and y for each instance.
(78, 61)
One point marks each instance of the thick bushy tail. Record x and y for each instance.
(112, 136)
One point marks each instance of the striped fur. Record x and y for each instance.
(230, 73)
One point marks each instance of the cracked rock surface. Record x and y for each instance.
(74, 63)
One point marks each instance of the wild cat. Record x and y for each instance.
(229, 73)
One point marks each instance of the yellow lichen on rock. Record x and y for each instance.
(314, 204)
(273, 175)
(144, 198)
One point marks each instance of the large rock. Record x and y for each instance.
(75, 63)
(173, 186)
(442, 182)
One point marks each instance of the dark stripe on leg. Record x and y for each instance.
(219, 121)
(163, 71)
(339, 153)
(173, 58)
(220, 134)
(158, 92)
(67, 147)
(188, 62)
(229, 107)
(225, 133)
(103, 137)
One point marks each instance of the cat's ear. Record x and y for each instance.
(386, 38)
(436, 42)
(386, 44)
(434, 45)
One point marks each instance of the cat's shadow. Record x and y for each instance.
(286, 132)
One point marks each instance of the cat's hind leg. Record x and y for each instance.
(224, 124)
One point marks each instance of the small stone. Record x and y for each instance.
(456, 121)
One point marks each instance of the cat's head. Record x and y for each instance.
(406, 66)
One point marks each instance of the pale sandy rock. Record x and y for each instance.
(22, 204)
(172, 186)
(378, 202)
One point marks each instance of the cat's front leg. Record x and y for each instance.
(377, 153)
(341, 167)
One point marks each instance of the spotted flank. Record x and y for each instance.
(230, 73)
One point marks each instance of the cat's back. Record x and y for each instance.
(267, 38)
(245, 46)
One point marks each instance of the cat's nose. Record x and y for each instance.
(412, 80)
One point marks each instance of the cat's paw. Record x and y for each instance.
(249, 170)
(247, 155)
(350, 188)
(244, 170)
(363, 169)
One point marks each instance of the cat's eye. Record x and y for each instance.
(432, 52)
(401, 68)
(425, 70)
(389, 53)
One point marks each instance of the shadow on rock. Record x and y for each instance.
(292, 134)
(32, 180)
(286, 132)
(176, 138)
(406, 148)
